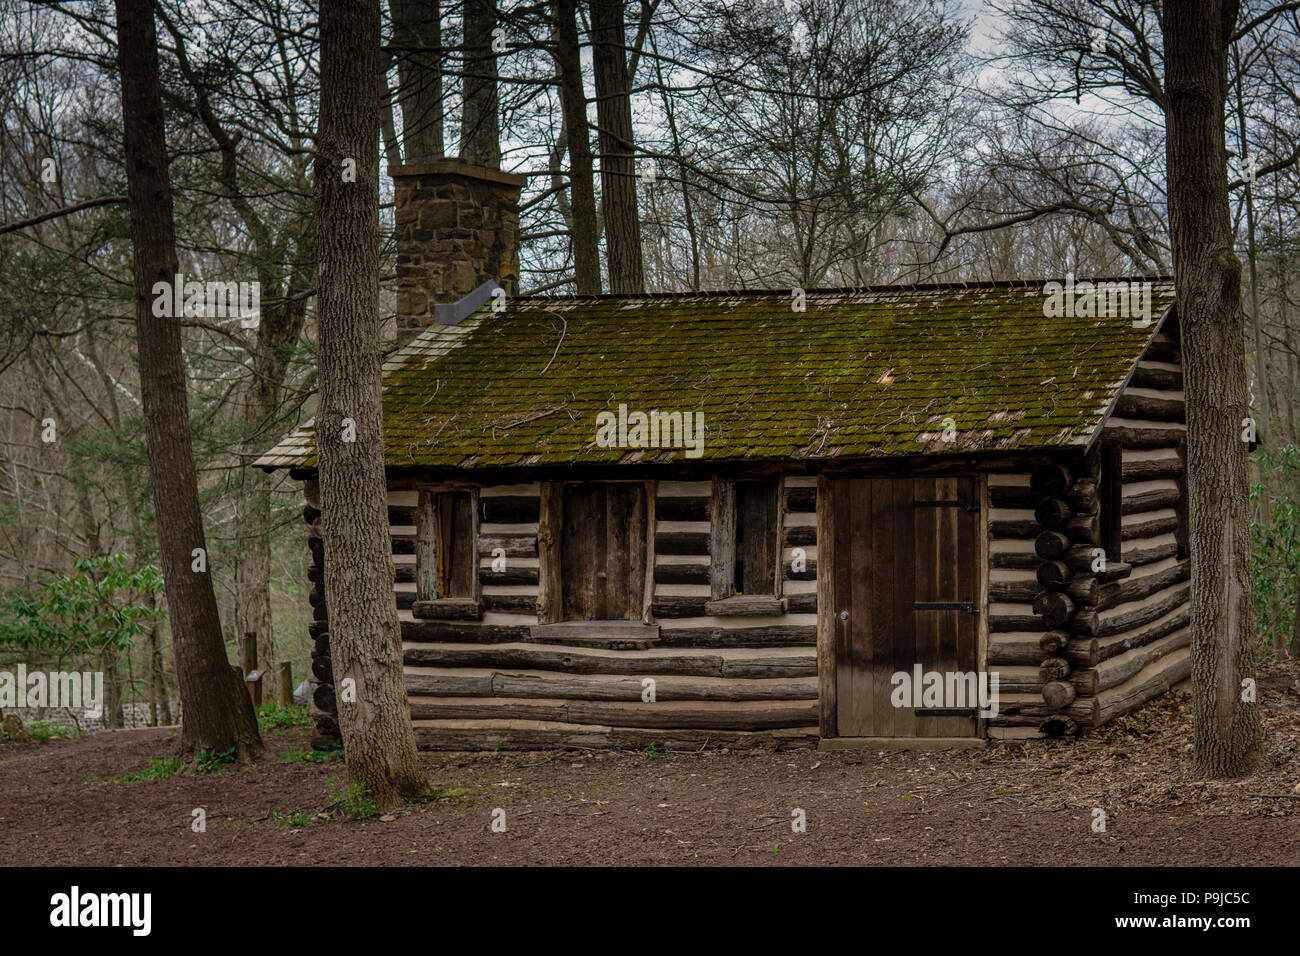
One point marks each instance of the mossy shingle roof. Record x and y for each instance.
(862, 373)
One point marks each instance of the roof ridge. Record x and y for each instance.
(1025, 282)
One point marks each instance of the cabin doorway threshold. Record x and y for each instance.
(901, 743)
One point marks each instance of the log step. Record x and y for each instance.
(660, 715)
(553, 735)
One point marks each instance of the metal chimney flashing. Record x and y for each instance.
(454, 313)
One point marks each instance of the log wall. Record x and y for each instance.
(1077, 642)
(732, 680)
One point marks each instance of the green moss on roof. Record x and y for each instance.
(869, 373)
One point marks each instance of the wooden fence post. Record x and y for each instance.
(286, 683)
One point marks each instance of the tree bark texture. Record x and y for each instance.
(617, 155)
(364, 634)
(584, 230)
(216, 712)
(1226, 727)
(418, 24)
(480, 135)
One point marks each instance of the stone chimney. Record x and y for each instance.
(457, 228)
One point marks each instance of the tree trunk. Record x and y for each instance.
(480, 136)
(1226, 728)
(218, 715)
(584, 232)
(617, 155)
(418, 24)
(364, 634)
(112, 702)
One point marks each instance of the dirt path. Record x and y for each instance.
(60, 803)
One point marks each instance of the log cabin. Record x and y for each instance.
(750, 519)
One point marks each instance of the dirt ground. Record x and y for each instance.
(62, 803)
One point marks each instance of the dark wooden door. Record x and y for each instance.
(905, 588)
(603, 551)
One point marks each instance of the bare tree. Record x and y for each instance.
(217, 713)
(417, 43)
(1225, 716)
(480, 134)
(583, 228)
(617, 151)
(365, 636)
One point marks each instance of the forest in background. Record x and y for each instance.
(814, 144)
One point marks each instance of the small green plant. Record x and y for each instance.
(274, 717)
(292, 820)
(774, 848)
(213, 761)
(157, 769)
(355, 802)
(327, 754)
(43, 730)
(501, 744)
(651, 749)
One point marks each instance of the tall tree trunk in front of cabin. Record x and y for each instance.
(617, 150)
(1226, 723)
(417, 31)
(364, 635)
(480, 135)
(584, 231)
(218, 716)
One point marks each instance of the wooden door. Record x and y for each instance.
(906, 592)
(603, 551)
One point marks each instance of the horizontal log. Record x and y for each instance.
(465, 633)
(464, 682)
(721, 715)
(1150, 408)
(509, 509)
(1151, 528)
(1018, 497)
(1151, 554)
(1149, 468)
(451, 735)
(744, 605)
(510, 603)
(1143, 436)
(1131, 619)
(1148, 376)
(514, 545)
(802, 603)
(1150, 501)
(1003, 621)
(801, 500)
(682, 573)
(1140, 588)
(800, 536)
(1015, 560)
(445, 609)
(1015, 592)
(669, 606)
(777, 635)
(682, 509)
(509, 576)
(1014, 528)
(1085, 528)
(1112, 645)
(1153, 680)
(1091, 681)
(759, 663)
(682, 542)
(1014, 649)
